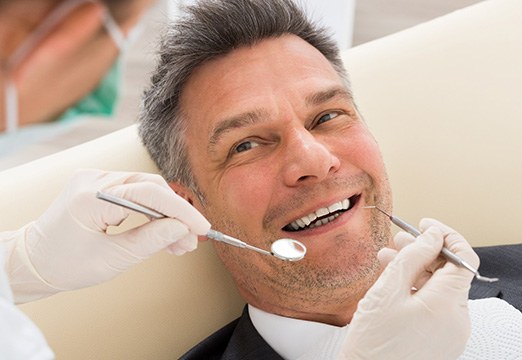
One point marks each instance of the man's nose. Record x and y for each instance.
(308, 159)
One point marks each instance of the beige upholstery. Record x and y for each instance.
(443, 100)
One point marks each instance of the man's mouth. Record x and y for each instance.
(322, 216)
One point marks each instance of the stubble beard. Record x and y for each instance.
(342, 278)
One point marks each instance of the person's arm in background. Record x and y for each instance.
(68, 248)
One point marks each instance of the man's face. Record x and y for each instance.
(275, 141)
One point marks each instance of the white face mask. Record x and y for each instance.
(60, 12)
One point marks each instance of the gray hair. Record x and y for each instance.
(210, 29)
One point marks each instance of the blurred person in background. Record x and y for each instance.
(59, 59)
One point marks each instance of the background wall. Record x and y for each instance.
(377, 18)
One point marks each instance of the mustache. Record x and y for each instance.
(316, 192)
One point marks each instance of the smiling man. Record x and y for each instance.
(278, 150)
(250, 117)
(275, 118)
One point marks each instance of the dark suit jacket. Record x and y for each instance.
(239, 340)
(504, 262)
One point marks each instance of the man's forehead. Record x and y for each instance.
(229, 91)
(239, 62)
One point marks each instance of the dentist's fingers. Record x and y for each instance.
(386, 255)
(438, 288)
(454, 241)
(403, 239)
(187, 244)
(417, 256)
(164, 200)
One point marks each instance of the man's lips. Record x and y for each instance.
(322, 216)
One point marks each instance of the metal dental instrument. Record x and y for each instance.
(446, 252)
(284, 249)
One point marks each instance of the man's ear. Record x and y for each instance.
(183, 191)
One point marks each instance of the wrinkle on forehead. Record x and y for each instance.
(320, 97)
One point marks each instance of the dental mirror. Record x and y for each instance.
(288, 249)
(284, 249)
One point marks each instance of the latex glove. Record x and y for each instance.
(394, 322)
(68, 247)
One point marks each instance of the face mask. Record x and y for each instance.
(102, 100)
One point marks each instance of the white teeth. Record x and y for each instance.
(346, 204)
(335, 207)
(322, 212)
(310, 218)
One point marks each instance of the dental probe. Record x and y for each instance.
(284, 249)
(445, 251)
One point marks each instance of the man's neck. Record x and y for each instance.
(339, 314)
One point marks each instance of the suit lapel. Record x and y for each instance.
(504, 262)
(482, 290)
(246, 343)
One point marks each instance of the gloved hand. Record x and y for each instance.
(393, 321)
(68, 247)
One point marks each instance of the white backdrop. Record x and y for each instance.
(337, 15)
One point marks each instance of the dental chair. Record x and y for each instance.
(443, 101)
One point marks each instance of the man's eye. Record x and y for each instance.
(245, 146)
(327, 117)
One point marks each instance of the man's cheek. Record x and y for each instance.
(246, 197)
(251, 182)
(369, 156)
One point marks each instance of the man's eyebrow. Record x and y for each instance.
(320, 97)
(234, 122)
(255, 116)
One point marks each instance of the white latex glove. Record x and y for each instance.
(394, 322)
(68, 247)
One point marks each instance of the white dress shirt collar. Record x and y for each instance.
(291, 338)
